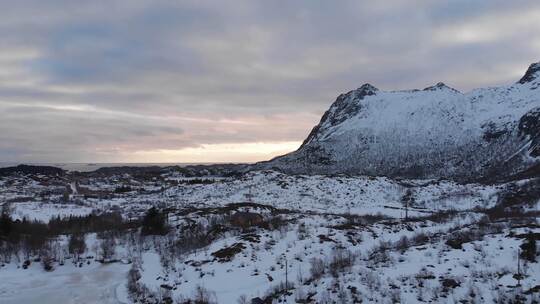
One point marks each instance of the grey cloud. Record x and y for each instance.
(101, 78)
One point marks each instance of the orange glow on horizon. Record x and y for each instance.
(216, 153)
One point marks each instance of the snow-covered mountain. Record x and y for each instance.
(437, 132)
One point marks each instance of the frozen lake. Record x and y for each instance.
(95, 283)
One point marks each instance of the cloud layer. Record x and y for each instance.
(113, 81)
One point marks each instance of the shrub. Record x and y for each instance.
(47, 260)
(342, 260)
(204, 296)
(402, 244)
(317, 268)
(243, 300)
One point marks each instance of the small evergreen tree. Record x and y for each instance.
(154, 222)
(5, 224)
(528, 248)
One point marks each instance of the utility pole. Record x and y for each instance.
(407, 209)
(405, 200)
(286, 275)
(249, 196)
(519, 271)
(286, 278)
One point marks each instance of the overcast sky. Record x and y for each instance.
(204, 81)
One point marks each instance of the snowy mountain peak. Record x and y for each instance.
(346, 106)
(440, 86)
(533, 73)
(367, 89)
(437, 132)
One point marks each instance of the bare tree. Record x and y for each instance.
(407, 200)
(243, 299)
(77, 246)
(204, 296)
(108, 247)
(317, 268)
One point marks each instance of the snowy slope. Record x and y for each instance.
(430, 133)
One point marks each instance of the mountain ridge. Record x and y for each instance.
(437, 132)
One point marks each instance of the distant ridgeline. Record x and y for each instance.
(487, 134)
(27, 169)
(188, 171)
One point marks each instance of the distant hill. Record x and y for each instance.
(27, 169)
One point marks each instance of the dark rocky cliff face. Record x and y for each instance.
(345, 106)
(532, 74)
(529, 127)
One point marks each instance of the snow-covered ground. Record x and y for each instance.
(481, 265)
(94, 283)
(43, 212)
(317, 193)
(315, 219)
(339, 194)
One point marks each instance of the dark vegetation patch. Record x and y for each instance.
(246, 219)
(528, 248)
(514, 200)
(197, 181)
(457, 239)
(490, 135)
(437, 217)
(67, 225)
(251, 237)
(135, 172)
(123, 189)
(195, 236)
(32, 236)
(224, 170)
(425, 275)
(154, 222)
(345, 226)
(448, 283)
(227, 209)
(227, 254)
(21, 199)
(323, 238)
(363, 220)
(475, 232)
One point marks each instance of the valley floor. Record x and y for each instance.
(274, 237)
